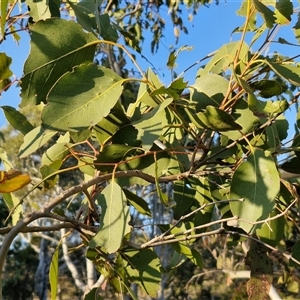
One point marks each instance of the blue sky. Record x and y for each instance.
(210, 29)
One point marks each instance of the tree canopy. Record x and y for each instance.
(108, 153)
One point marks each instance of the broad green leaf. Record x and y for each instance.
(267, 88)
(144, 96)
(53, 273)
(57, 152)
(57, 46)
(283, 11)
(3, 16)
(54, 7)
(109, 125)
(84, 16)
(184, 197)
(224, 57)
(209, 89)
(272, 232)
(138, 203)
(143, 268)
(163, 197)
(38, 10)
(17, 120)
(34, 140)
(245, 117)
(51, 169)
(192, 254)
(174, 90)
(292, 166)
(115, 217)
(265, 12)
(150, 125)
(81, 98)
(12, 181)
(5, 62)
(257, 182)
(290, 72)
(13, 202)
(106, 30)
(216, 119)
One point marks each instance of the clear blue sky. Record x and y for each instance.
(210, 29)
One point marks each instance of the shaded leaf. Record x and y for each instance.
(283, 11)
(257, 182)
(81, 98)
(267, 88)
(5, 62)
(137, 202)
(143, 268)
(115, 217)
(216, 119)
(292, 166)
(57, 46)
(17, 120)
(265, 12)
(174, 90)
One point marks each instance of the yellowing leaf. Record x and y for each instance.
(12, 180)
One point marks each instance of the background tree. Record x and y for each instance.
(161, 182)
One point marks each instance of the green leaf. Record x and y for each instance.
(143, 268)
(93, 295)
(257, 182)
(84, 16)
(265, 12)
(297, 28)
(138, 203)
(150, 125)
(289, 72)
(57, 152)
(57, 46)
(34, 140)
(115, 217)
(47, 170)
(283, 11)
(267, 88)
(106, 30)
(81, 98)
(174, 90)
(223, 58)
(272, 232)
(209, 89)
(192, 254)
(184, 197)
(216, 119)
(17, 120)
(245, 117)
(171, 64)
(5, 62)
(3, 16)
(295, 254)
(53, 273)
(12, 203)
(38, 10)
(292, 166)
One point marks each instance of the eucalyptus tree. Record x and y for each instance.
(222, 147)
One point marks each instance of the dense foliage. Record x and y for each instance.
(213, 153)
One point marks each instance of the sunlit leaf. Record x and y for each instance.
(81, 98)
(57, 46)
(138, 203)
(283, 11)
(266, 13)
(12, 203)
(3, 15)
(34, 140)
(53, 273)
(12, 180)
